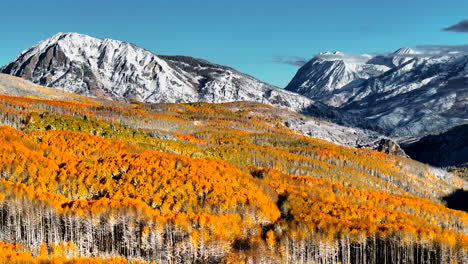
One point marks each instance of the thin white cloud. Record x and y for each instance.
(439, 50)
(351, 58)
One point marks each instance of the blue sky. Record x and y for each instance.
(246, 35)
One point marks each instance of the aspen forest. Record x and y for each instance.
(84, 180)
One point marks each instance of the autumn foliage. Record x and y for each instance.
(93, 182)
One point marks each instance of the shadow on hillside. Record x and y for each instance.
(457, 200)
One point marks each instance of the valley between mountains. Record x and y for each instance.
(112, 154)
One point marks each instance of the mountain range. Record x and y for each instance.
(405, 93)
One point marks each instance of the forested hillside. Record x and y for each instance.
(93, 181)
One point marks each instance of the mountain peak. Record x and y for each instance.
(405, 50)
(73, 40)
(331, 53)
(67, 36)
(344, 57)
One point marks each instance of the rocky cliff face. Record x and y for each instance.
(389, 146)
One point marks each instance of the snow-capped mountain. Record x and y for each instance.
(396, 58)
(328, 72)
(408, 93)
(119, 70)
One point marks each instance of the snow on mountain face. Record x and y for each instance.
(396, 58)
(119, 70)
(332, 77)
(416, 94)
(95, 67)
(218, 83)
(329, 72)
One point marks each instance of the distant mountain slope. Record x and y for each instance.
(404, 93)
(14, 86)
(443, 150)
(327, 73)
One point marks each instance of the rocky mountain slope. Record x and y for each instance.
(404, 93)
(15, 86)
(448, 149)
